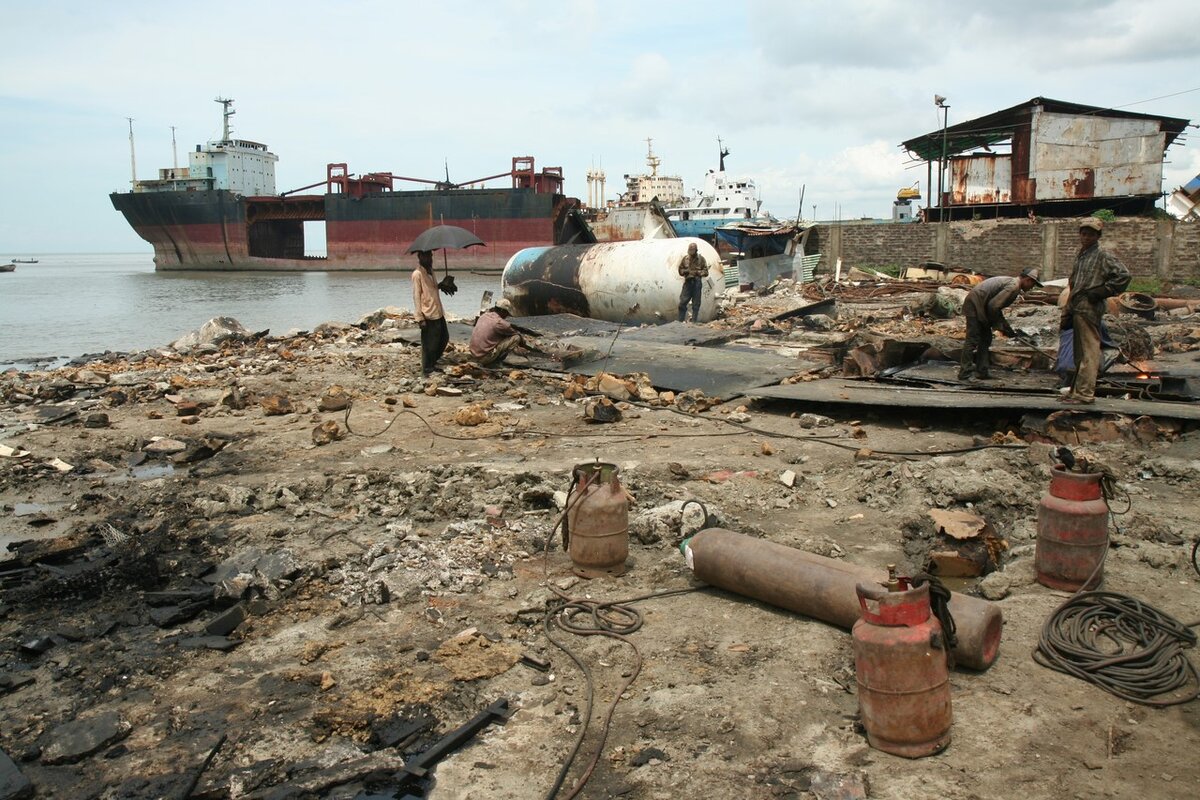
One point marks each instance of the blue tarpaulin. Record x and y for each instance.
(1066, 350)
(757, 241)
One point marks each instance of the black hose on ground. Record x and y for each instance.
(1126, 647)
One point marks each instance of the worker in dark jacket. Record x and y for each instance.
(984, 311)
(1097, 276)
(693, 269)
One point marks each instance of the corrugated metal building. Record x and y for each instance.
(1049, 158)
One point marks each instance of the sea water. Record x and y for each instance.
(66, 306)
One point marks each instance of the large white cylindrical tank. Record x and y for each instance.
(632, 282)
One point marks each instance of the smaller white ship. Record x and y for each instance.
(725, 199)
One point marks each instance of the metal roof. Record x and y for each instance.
(1001, 125)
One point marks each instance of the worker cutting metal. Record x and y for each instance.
(984, 312)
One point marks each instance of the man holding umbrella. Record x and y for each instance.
(427, 306)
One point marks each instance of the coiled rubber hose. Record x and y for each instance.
(1124, 646)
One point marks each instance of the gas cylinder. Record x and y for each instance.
(596, 529)
(1072, 531)
(900, 665)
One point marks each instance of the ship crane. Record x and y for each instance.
(523, 174)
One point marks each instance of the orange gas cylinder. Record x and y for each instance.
(900, 664)
(1072, 531)
(596, 529)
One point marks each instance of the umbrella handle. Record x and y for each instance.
(445, 266)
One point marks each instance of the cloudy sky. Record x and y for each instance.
(809, 94)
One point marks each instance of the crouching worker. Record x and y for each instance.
(494, 336)
(984, 311)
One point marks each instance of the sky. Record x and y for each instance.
(807, 96)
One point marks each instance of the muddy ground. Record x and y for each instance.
(398, 575)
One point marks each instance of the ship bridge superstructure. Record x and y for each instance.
(236, 165)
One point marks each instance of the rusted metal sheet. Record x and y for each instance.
(1075, 157)
(981, 180)
(1079, 184)
(866, 393)
(631, 223)
(1024, 187)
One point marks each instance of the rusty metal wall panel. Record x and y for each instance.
(1024, 186)
(1080, 157)
(981, 180)
(626, 224)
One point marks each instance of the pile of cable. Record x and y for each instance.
(1124, 646)
(614, 620)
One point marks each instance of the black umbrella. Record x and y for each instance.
(443, 237)
(439, 237)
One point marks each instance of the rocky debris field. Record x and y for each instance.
(268, 567)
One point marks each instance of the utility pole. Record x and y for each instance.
(940, 102)
(174, 152)
(132, 160)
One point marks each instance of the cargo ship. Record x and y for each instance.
(221, 212)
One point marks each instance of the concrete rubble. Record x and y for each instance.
(300, 544)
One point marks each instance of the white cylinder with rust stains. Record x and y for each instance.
(633, 282)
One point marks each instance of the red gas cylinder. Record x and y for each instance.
(900, 664)
(596, 529)
(1072, 531)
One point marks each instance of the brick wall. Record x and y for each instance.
(994, 249)
(1185, 252)
(868, 245)
(1166, 249)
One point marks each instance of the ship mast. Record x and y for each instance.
(174, 152)
(652, 160)
(132, 159)
(226, 113)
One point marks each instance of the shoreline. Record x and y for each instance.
(118, 304)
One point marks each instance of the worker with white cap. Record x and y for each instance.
(494, 336)
(984, 311)
(1097, 276)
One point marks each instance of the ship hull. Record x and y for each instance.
(702, 228)
(221, 230)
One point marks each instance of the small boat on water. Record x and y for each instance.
(24, 261)
(7, 267)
